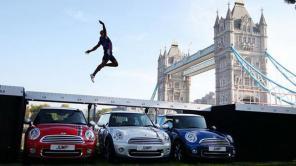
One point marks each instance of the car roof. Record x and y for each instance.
(182, 115)
(58, 108)
(129, 112)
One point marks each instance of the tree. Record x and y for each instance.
(32, 110)
(65, 106)
(102, 111)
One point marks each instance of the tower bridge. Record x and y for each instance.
(235, 36)
(238, 56)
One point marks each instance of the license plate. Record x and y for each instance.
(145, 148)
(217, 148)
(62, 147)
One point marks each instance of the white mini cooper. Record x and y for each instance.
(132, 135)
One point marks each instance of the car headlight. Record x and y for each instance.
(230, 139)
(117, 135)
(89, 135)
(34, 134)
(165, 137)
(191, 137)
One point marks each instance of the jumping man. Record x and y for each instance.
(107, 46)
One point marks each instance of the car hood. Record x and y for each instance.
(201, 133)
(132, 132)
(62, 129)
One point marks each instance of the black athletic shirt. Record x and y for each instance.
(106, 43)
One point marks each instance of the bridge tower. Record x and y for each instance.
(233, 85)
(172, 87)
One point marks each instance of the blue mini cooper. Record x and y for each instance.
(190, 137)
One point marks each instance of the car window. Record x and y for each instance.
(60, 116)
(189, 122)
(104, 119)
(129, 119)
(160, 120)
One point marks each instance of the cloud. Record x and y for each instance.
(76, 15)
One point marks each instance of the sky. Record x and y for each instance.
(42, 43)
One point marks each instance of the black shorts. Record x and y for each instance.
(108, 56)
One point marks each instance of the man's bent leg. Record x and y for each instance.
(113, 63)
(103, 64)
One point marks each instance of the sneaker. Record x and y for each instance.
(92, 77)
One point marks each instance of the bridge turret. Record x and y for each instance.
(229, 28)
(172, 87)
(263, 31)
(216, 26)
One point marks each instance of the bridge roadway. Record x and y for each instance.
(115, 101)
(101, 100)
(200, 62)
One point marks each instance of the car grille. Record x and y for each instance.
(62, 139)
(55, 153)
(145, 154)
(208, 154)
(144, 140)
(214, 141)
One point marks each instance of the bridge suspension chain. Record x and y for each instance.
(291, 77)
(280, 92)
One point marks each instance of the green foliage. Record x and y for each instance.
(65, 106)
(32, 110)
(102, 111)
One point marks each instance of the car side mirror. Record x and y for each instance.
(157, 125)
(213, 127)
(92, 123)
(167, 126)
(102, 125)
(28, 122)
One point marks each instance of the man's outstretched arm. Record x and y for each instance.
(104, 28)
(93, 49)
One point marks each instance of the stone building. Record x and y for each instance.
(233, 85)
(238, 29)
(209, 99)
(172, 87)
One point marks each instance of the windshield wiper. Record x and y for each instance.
(149, 125)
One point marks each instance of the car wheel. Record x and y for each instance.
(26, 159)
(179, 152)
(109, 152)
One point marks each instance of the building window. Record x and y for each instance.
(177, 85)
(177, 96)
(171, 60)
(247, 81)
(249, 29)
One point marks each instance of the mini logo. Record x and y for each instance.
(63, 133)
(61, 147)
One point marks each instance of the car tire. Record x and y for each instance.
(26, 160)
(179, 151)
(109, 152)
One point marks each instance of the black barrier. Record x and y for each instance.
(257, 135)
(12, 110)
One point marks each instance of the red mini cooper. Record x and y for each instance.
(59, 133)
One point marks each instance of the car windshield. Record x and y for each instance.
(60, 116)
(182, 122)
(129, 119)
